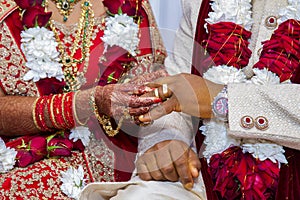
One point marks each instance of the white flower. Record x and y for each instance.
(264, 77)
(7, 157)
(80, 133)
(121, 31)
(40, 49)
(224, 74)
(236, 11)
(264, 151)
(216, 139)
(72, 182)
(292, 11)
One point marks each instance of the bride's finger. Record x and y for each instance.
(138, 111)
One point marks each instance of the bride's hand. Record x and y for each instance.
(146, 78)
(186, 93)
(115, 100)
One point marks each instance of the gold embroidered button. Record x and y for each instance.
(261, 123)
(247, 122)
(271, 22)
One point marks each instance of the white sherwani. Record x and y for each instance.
(239, 104)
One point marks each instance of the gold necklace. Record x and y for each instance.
(73, 77)
(65, 7)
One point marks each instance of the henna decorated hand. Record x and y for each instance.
(141, 80)
(115, 100)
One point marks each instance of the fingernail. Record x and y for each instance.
(141, 117)
(194, 172)
(157, 100)
(188, 186)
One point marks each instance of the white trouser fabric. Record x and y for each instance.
(145, 190)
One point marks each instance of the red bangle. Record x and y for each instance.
(67, 110)
(58, 114)
(39, 115)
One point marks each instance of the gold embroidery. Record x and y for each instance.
(12, 67)
(6, 7)
(100, 160)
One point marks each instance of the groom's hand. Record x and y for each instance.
(170, 160)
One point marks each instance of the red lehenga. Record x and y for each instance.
(289, 175)
(106, 158)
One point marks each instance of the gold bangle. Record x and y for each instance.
(104, 120)
(51, 113)
(33, 114)
(75, 113)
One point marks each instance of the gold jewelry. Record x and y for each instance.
(105, 120)
(73, 77)
(75, 113)
(65, 7)
(33, 114)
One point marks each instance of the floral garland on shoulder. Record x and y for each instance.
(43, 60)
(244, 168)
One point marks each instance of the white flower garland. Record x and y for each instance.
(73, 182)
(40, 49)
(121, 31)
(7, 157)
(235, 11)
(80, 133)
(217, 140)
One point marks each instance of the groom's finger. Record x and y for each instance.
(180, 158)
(161, 110)
(194, 163)
(142, 171)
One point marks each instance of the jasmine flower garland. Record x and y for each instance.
(122, 31)
(40, 49)
(7, 157)
(72, 182)
(80, 133)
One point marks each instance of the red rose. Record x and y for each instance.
(227, 44)
(236, 174)
(127, 6)
(34, 151)
(24, 158)
(59, 147)
(76, 145)
(35, 15)
(24, 4)
(113, 6)
(222, 169)
(38, 147)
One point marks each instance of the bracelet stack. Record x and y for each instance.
(59, 109)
